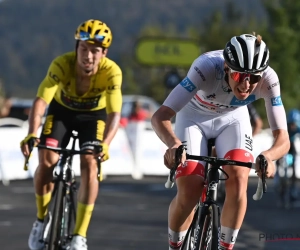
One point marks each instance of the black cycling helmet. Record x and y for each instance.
(246, 53)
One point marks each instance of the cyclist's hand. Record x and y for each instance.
(24, 144)
(271, 168)
(104, 154)
(169, 157)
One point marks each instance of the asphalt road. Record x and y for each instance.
(132, 215)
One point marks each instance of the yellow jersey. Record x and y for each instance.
(104, 90)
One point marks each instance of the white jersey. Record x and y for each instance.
(205, 91)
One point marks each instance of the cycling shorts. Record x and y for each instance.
(232, 131)
(61, 121)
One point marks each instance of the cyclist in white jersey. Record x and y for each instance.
(210, 102)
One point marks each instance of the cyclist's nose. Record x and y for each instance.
(88, 55)
(245, 84)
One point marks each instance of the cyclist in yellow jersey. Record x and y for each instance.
(83, 90)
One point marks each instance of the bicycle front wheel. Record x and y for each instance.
(193, 231)
(209, 224)
(57, 214)
(70, 213)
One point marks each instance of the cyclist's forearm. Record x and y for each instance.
(161, 123)
(280, 146)
(111, 127)
(36, 115)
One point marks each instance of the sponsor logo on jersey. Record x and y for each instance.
(113, 87)
(213, 105)
(211, 97)
(237, 102)
(199, 73)
(79, 103)
(273, 85)
(276, 101)
(96, 90)
(47, 129)
(248, 142)
(111, 77)
(51, 142)
(187, 84)
(219, 73)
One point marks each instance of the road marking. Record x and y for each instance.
(23, 190)
(5, 223)
(6, 207)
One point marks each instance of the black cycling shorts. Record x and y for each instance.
(61, 121)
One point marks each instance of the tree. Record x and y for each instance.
(283, 40)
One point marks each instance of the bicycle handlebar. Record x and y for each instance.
(97, 150)
(65, 150)
(56, 149)
(218, 162)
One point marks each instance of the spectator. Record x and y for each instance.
(138, 113)
(5, 102)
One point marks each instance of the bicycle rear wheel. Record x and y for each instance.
(57, 214)
(209, 225)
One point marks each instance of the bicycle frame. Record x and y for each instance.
(212, 178)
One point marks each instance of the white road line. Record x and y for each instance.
(23, 190)
(6, 207)
(5, 223)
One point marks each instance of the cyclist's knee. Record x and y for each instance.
(236, 184)
(47, 158)
(189, 189)
(88, 164)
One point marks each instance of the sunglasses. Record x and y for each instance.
(241, 77)
(84, 36)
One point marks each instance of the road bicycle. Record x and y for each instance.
(203, 233)
(61, 217)
(283, 181)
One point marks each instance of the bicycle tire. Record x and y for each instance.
(57, 214)
(72, 210)
(209, 225)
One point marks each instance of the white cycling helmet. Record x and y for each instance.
(247, 54)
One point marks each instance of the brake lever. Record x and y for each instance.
(263, 167)
(178, 154)
(31, 144)
(98, 149)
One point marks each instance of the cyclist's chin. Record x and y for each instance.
(241, 95)
(87, 70)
